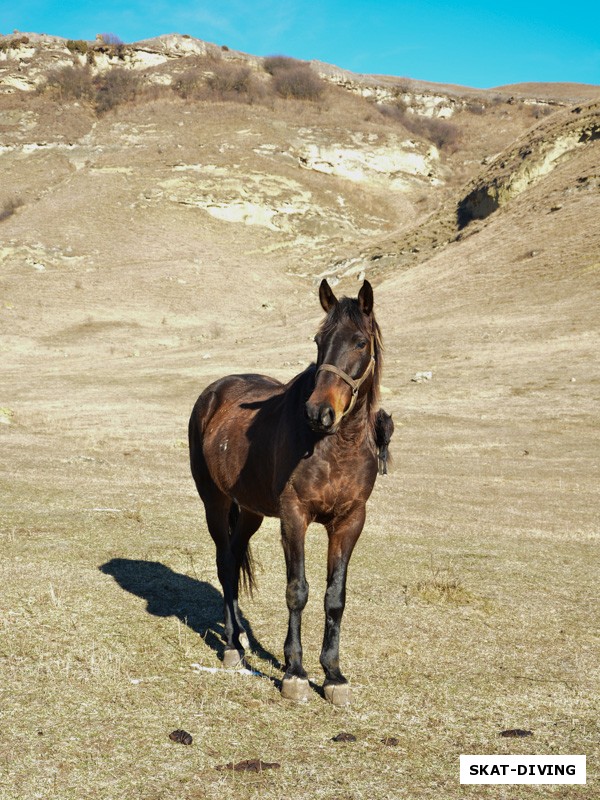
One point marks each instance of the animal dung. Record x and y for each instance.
(344, 737)
(390, 741)
(181, 736)
(249, 765)
(515, 733)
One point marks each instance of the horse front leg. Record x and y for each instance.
(293, 532)
(343, 535)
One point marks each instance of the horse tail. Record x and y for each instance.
(247, 561)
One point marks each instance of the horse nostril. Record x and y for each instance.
(327, 416)
(312, 412)
(320, 417)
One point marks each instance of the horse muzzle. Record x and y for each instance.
(320, 417)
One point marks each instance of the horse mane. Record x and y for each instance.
(348, 308)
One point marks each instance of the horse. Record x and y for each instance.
(384, 430)
(304, 452)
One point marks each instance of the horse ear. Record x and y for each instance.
(326, 296)
(365, 298)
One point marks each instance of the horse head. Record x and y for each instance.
(348, 360)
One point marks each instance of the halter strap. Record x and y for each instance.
(354, 383)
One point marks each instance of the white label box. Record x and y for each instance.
(522, 769)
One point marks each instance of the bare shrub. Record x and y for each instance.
(273, 64)
(189, 84)
(400, 105)
(112, 45)
(152, 92)
(116, 87)
(213, 53)
(13, 44)
(538, 111)
(298, 83)
(217, 79)
(475, 107)
(71, 83)
(77, 46)
(396, 111)
(9, 207)
(111, 39)
(444, 134)
(227, 79)
(293, 79)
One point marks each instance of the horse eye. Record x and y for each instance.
(361, 345)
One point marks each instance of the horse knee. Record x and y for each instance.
(297, 594)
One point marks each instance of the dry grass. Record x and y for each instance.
(472, 593)
(110, 595)
(442, 585)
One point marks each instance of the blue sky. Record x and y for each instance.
(473, 44)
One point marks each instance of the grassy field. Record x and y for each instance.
(473, 591)
(471, 609)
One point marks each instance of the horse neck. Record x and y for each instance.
(362, 416)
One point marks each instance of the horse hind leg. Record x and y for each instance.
(243, 524)
(230, 528)
(219, 510)
(217, 520)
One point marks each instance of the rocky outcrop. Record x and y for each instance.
(393, 161)
(528, 161)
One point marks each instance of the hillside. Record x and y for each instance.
(166, 214)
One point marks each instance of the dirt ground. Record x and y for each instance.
(472, 596)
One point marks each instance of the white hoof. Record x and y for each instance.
(338, 694)
(233, 658)
(295, 689)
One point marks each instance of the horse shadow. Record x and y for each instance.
(171, 594)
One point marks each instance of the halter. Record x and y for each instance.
(354, 383)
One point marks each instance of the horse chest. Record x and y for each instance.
(329, 486)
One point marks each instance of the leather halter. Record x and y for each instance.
(354, 383)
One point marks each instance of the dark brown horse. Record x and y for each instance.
(305, 452)
(384, 430)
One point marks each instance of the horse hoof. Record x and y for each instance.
(295, 689)
(233, 658)
(338, 694)
(244, 641)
